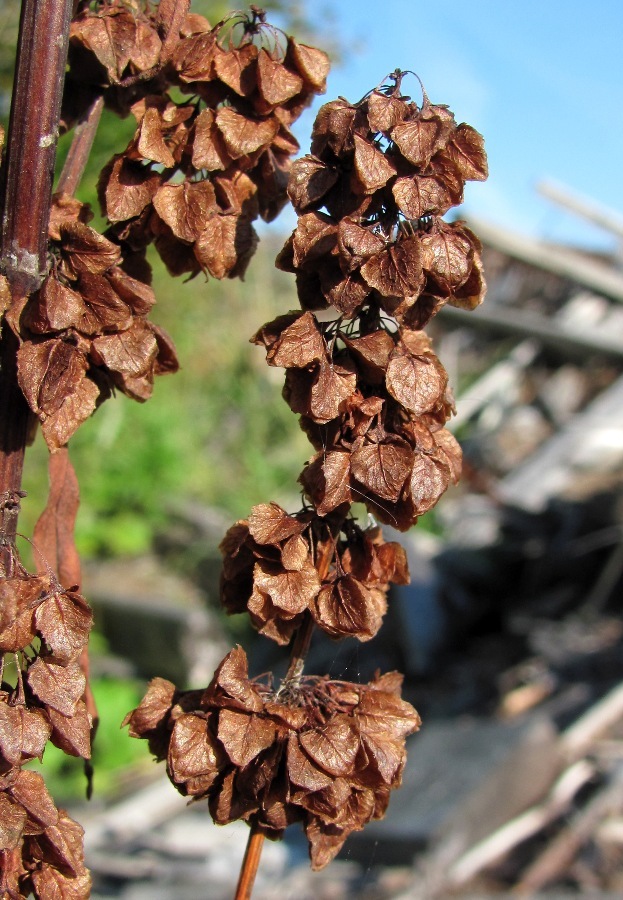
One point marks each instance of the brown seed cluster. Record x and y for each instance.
(43, 630)
(86, 331)
(195, 176)
(370, 241)
(197, 172)
(369, 198)
(321, 752)
(278, 567)
(373, 399)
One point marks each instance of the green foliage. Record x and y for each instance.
(64, 775)
(217, 432)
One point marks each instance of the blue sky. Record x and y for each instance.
(542, 80)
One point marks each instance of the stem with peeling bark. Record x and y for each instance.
(25, 211)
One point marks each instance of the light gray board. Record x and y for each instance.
(581, 443)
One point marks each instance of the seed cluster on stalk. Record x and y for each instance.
(211, 153)
(321, 752)
(44, 628)
(200, 170)
(373, 399)
(196, 175)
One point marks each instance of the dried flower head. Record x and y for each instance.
(322, 752)
(279, 567)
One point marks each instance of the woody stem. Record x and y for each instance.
(25, 210)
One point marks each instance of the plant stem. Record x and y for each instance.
(300, 647)
(303, 636)
(25, 209)
(81, 144)
(32, 139)
(250, 863)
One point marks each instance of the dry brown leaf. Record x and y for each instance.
(243, 135)
(333, 747)
(291, 591)
(270, 524)
(347, 607)
(420, 138)
(326, 480)
(153, 708)
(416, 382)
(186, 208)
(372, 167)
(237, 68)
(23, 733)
(12, 821)
(276, 83)
(193, 753)
(298, 344)
(384, 111)
(310, 180)
(126, 188)
(382, 468)
(244, 735)
(466, 149)
(312, 64)
(397, 270)
(64, 618)
(71, 734)
(57, 685)
(209, 150)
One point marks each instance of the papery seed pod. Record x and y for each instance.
(323, 752)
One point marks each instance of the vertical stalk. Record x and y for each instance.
(25, 210)
(80, 148)
(32, 138)
(250, 863)
(298, 652)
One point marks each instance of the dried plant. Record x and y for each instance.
(373, 399)
(371, 395)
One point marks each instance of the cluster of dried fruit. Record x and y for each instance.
(370, 239)
(373, 399)
(371, 242)
(43, 630)
(192, 180)
(199, 171)
(321, 752)
(86, 331)
(278, 567)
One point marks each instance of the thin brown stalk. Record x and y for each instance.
(300, 648)
(80, 149)
(303, 636)
(250, 863)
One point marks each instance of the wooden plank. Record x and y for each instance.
(597, 277)
(594, 433)
(582, 206)
(568, 340)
